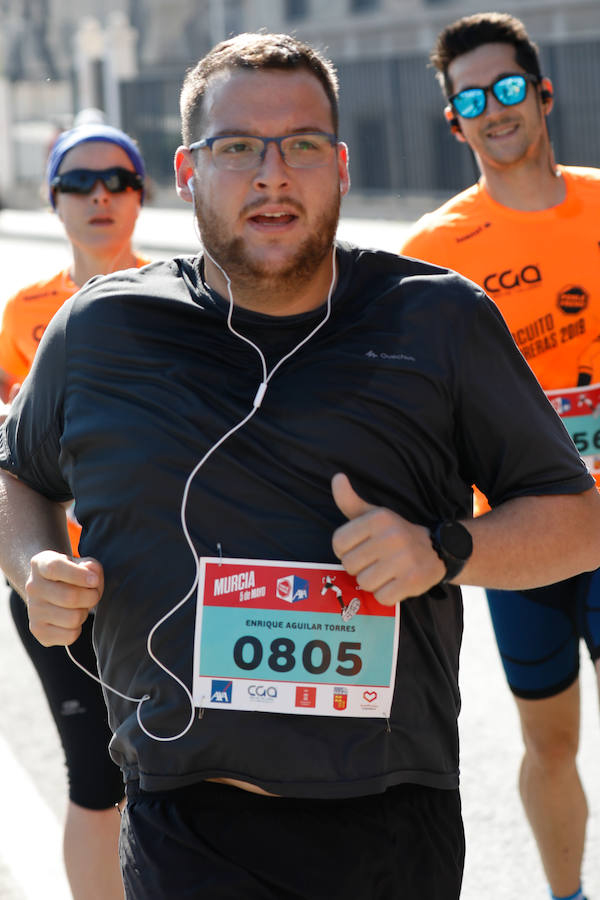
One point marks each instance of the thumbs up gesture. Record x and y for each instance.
(389, 556)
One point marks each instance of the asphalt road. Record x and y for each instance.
(501, 858)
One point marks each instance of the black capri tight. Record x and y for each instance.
(78, 708)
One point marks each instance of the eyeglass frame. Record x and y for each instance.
(528, 77)
(208, 142)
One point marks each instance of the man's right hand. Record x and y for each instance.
(61, 590)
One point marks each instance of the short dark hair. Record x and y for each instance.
(470, 32)
(256, 51)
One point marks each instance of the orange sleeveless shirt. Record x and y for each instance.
(541, 268)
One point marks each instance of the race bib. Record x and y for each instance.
(287, 637)
(579, 409)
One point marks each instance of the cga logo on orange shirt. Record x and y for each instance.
(572, 299)
(509, 279)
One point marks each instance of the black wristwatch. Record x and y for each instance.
(453, 544)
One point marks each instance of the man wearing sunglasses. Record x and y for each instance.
(527, 232)
(268, 447)
(95, 182)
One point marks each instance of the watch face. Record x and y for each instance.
(456, 540)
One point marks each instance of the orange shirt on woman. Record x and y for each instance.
(26, 316)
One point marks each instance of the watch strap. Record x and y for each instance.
(454, 564)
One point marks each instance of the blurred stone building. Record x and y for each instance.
(128, 57)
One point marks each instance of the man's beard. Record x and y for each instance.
(247, 272)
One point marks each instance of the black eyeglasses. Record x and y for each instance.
(507, 89)
(304, 150)
(83, 181)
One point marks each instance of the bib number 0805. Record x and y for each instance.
(248, 654)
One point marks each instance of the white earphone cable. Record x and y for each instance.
(260, 393)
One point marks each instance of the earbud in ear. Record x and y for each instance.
(190, 184)
(546, 92)
(452, 120)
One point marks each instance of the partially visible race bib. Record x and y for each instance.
(579, 408)
(288, 637)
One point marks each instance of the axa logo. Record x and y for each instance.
(562, 405)
(292, 588)
(510, 279)
(220, 691)
(572, 299)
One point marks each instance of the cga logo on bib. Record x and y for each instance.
(262, 692)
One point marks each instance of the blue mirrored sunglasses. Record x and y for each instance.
(507, 89)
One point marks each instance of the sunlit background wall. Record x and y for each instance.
(128, 57)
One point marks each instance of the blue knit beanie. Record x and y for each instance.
(94, 132)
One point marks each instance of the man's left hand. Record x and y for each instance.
(390, 557)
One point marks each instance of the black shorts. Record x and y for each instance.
(214, 841)
(78, 708)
